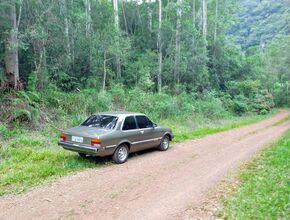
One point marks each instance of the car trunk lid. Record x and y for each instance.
(85, 133)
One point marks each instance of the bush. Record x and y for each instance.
(263, 102)
(240, 104)
(74, 107)
(210, 106)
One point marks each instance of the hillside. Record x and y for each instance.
(260, 21)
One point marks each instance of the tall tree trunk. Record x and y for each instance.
(116, 21)
(193, 14)
(149, 11)
(11, 48)
(159, 46)
(216, 19)
(89, 30)
(66, 30)
(215, 59)
(105, 71)
(177, 46)
(204, 21)
(88, 18)
(124, 17)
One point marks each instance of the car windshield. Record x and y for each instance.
(101, 121)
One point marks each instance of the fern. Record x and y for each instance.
(23, 95)
(33, 96)
(21, 115)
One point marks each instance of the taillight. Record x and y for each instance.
(96, 141)
(62, 137)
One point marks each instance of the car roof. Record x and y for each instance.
(119, 113)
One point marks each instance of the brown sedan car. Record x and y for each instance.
(116, 134)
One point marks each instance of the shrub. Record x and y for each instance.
(240, 104)
(210, 106)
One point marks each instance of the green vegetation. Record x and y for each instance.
(61, 61)
(29, 154)
(261, 21)
(29, 157)
(183, 131)
(263, 191)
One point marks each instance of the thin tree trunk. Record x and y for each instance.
(215, 62)
(125, 19)
(11, 48)
(116, 21)
(105, 71)
(89, 30)
(149, 10)
(159, 46)
(177, 46)
(193, 14)
(216, 19)
(72, 40)
(66, 30)
(204, 21)
(88, 18)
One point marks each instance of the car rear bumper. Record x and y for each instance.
(79, 148)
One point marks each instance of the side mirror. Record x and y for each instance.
(154, 125)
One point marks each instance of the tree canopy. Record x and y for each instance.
(171, 46)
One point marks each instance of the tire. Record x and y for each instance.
(165, 143)
(82, 155)
(121, 154)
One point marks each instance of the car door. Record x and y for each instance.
(146, 128)
(131, 133)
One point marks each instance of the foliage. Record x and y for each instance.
(261, 21)
(263, 191)
(30, 158)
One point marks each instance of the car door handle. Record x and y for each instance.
(142, 132)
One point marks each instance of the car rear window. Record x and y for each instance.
(129, 123)
(144, 122)
(101, 121)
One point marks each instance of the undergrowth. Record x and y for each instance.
(30, 123)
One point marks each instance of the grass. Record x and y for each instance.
(183, 130)
(29, 162)
(29, 157)
(263, 191)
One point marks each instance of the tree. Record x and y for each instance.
(89, 29)
(66, 29)
(204, 21)
(159, 46)
(116, 21)
(177, 46)
(11, 46)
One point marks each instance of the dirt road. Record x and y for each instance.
(154, 185)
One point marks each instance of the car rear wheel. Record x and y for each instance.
(82, 155)
(121, 154)
(165, 142)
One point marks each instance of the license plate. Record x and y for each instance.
(77, 139)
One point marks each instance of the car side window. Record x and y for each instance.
(144, 122)
(129, 123)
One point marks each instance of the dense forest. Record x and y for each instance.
(259, 22)
(143, 55)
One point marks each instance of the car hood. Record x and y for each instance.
(85, 131)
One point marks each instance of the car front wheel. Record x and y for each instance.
(164, 145)
(121, 154)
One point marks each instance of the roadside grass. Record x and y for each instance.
(184, 130)
(263, 191)
(28, 162)
(29, 158)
